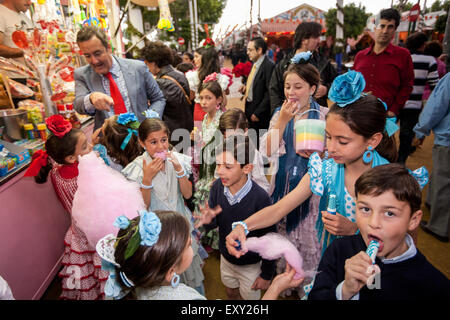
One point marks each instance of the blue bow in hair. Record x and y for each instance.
(149, 113)
(125, 118)
(391, 126)
(127, 138)
(421, 176)
(302, 57)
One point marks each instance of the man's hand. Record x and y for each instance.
(390, 114)
(417, 142)
(101, 101)
(254, 118)
(321, 91)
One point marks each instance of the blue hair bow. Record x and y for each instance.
(391, 126)
(302, 57)
(421, 176)
(128, 138)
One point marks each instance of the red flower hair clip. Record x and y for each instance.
(58, 125)
(209, 43)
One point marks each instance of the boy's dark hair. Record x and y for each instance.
(390, 14)
(87, 32)
(415, 41)
(259, 42)
(148, 266)
(367, 116)
(240, 147)
(233, 119)
(433, 48)
(390, 177)
(306, 30)
(185, 67)
(158, 53)
(58, 149)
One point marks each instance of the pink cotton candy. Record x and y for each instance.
(273, 246)
(103, 194)
(162, 155)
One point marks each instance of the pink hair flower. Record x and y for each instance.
(211, 77)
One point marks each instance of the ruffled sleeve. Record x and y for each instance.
(185, 161)
(315, 166)
(192, 78)
(133, 171)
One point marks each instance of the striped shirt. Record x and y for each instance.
(233, 199)
(425, 71)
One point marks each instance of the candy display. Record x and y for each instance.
(309, 134)
(9, 160)
(19, 90)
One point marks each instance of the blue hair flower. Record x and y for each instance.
(125, 118)
(122, 222)
(149, 113)
(347, 88)
(149, 228)
(302, 57)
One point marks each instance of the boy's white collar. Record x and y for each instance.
(411, 252)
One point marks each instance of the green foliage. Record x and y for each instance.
(355, 19)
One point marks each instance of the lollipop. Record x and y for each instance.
(372, 250)
(19, 37)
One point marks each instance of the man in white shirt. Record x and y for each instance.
(12, 17)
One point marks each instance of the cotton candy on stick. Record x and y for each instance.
(103, 194)
(273, 246)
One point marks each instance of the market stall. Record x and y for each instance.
(33, 220)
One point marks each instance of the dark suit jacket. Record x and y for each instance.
(260, 105)
(178, 111)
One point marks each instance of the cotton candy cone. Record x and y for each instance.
(273, 246)
(103, 194)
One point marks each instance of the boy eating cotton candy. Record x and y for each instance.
(388, 206)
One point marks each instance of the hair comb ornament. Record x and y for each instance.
(301, 58)
(128, 119)
(58, 125)
(347, 88)
(145, 233)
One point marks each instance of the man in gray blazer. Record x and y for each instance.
(94, 89)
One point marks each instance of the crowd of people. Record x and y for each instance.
(210, 175)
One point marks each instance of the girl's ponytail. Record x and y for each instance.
(388, 148)
(42, 175)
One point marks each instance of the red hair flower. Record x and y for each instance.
(58, 125)
(209, 43)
